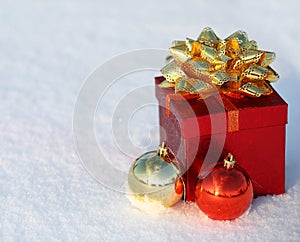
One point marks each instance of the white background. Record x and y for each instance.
(47, 50)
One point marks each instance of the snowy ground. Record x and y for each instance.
(47, 51)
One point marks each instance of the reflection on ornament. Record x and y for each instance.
(226, 193)
(156, 177)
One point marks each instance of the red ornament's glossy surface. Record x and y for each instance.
(224, 193)
(179, 187)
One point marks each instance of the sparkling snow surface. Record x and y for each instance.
(49, 48)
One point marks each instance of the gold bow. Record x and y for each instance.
(234, 65)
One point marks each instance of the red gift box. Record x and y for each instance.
(252, 129)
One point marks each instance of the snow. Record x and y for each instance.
(49, 48)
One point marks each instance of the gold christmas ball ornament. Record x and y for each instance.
(156, 177)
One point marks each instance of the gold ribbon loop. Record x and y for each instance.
(234, 65)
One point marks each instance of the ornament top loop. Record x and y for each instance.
(162, 150)
(229, 161)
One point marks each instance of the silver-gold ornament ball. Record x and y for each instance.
(155, 177)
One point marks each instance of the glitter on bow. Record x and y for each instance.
(234, 65)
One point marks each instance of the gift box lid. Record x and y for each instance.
(253, 113)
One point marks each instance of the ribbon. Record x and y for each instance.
(233, 67)
(232, 110)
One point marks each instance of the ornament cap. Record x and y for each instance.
(229, 161)
(162, 150)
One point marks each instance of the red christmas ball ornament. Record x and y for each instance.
(226, 193)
